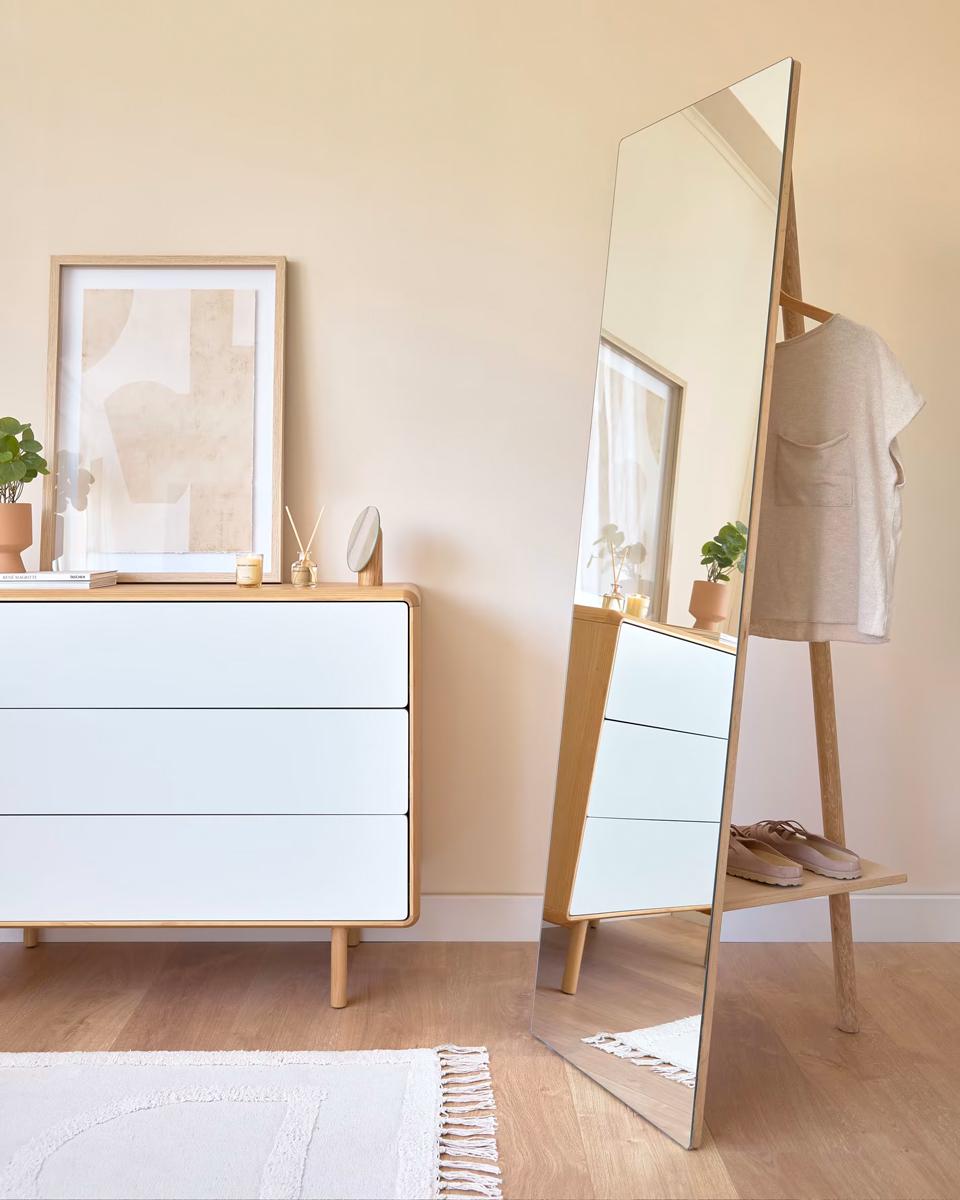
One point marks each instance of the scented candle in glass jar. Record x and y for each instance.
(249, 570)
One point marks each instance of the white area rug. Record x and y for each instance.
(368, 1124)
(670, 1049)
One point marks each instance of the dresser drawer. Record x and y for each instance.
(174, 760)
(110, 869)
(627, 866)
(207, 654)
(667, 681)
(643, 772)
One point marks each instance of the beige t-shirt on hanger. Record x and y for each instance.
(830, 520)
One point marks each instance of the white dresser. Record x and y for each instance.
(211, 755)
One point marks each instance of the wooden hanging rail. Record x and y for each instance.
(802, 309)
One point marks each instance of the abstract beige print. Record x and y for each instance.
(167, 419)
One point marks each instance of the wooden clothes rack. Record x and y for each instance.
(821, 671)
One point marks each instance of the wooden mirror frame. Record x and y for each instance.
(726, 815)
(562, 869)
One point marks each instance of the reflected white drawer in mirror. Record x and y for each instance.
(640, 785)
(196, 755)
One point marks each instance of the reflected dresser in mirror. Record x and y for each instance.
(617, 840)
(635, 879)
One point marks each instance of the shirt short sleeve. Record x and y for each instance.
(901, 402)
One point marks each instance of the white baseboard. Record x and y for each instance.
(452, 918)
(443, 918)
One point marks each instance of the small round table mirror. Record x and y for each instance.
(363, 538)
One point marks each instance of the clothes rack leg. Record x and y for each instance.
(824, 708)
(831, 800)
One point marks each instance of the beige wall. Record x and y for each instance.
(440, 176)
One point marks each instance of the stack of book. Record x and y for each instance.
(36, 580)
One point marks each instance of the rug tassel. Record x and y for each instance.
(467, 1158)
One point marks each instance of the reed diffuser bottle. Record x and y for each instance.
(303, 572)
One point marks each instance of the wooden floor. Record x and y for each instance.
(795, 1109)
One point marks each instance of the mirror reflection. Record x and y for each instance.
(659, 586)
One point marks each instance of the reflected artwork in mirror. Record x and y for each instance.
(651, 708)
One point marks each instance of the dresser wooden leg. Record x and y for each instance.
(571, 970)
(31, 936)
(354, 936)
(338, 966)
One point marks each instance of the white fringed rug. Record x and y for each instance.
(366, 1124)
(670, 1050)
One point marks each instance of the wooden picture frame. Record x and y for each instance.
(71, 277)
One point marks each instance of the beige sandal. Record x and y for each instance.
(811, 851)
(748, 858)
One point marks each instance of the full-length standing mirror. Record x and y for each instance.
(651, 710)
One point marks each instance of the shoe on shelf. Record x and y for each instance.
(811, 851)
(749, 858)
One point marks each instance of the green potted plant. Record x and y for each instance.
(20, 462)
(613, 547)
(710, 598)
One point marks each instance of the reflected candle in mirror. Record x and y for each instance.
(638, 605)
(249, 570)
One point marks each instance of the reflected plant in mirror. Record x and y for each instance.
(726, 550)
(632, 896)
(710, 599)
(612, 549)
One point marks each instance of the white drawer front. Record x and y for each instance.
(634, 865)
(171, 760)
(203, 869)
(213, 654)
(656, 773)
(666, 681)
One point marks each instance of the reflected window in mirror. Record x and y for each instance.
(624, 534)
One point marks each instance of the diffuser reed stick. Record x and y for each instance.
(303, 553)
(315, 528)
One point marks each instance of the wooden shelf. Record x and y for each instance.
(743, 893)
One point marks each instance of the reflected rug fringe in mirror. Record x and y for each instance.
(671, 1049)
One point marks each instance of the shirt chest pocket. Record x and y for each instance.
(814, 476)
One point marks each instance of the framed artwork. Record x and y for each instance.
(165, 416)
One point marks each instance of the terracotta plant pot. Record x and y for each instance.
(709, 605)
(16, 534)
